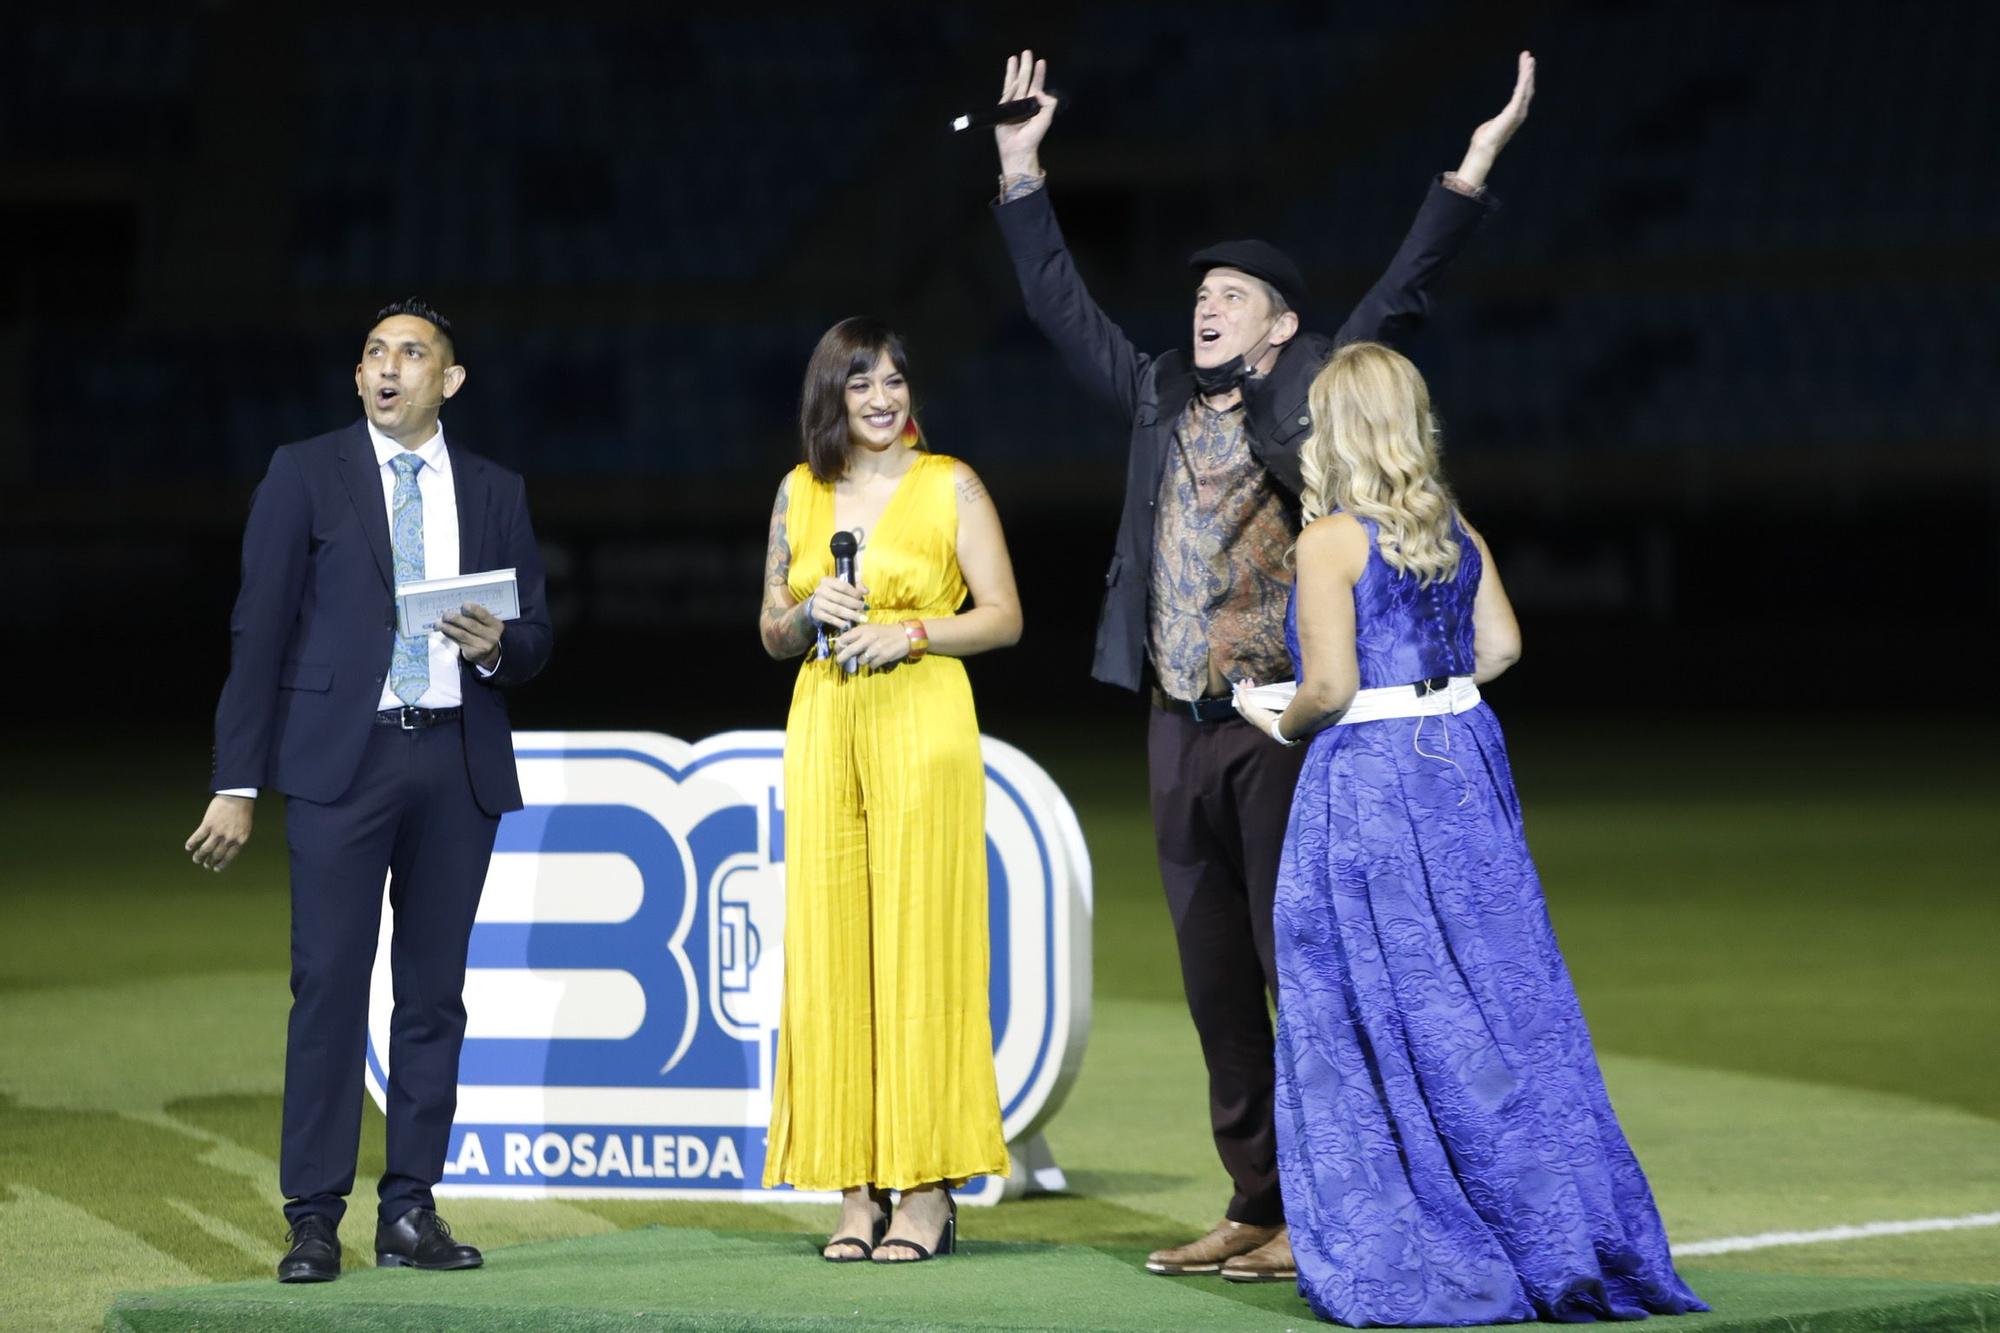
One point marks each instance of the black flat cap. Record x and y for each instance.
(1260, 259)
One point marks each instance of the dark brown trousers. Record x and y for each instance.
(1222, 793)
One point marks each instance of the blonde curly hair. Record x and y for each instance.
(1373, 452)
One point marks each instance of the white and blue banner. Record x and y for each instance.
(624, 978)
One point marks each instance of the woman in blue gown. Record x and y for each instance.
(1447, 1151)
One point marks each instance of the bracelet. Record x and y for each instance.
(920, 639)
(1279, 736)
(819, 647)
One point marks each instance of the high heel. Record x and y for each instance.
(867, 1247)
(947, 1239)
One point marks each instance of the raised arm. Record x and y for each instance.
(1452, 210)
(1095, 349)
(1492, 135)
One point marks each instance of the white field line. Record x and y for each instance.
(1772, 1239)
(226, 1232)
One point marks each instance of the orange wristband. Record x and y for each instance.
(920, 639)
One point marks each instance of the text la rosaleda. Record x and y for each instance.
(591, 1156)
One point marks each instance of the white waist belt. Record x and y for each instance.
(1410, 701)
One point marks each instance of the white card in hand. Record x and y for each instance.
(419, 606)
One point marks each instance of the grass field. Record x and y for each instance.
(1783, 935)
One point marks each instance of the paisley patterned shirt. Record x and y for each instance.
(1220, 579)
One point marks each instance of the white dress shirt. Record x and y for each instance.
(440, 561)
(440, 552)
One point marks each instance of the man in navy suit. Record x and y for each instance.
(396, 760)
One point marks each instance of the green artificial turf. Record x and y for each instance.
(687, 1278)
(1781, 934)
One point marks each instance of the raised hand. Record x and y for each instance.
(1020, 145)
(1492, 135)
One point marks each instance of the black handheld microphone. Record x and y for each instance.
(1006, 113)
(843, 547)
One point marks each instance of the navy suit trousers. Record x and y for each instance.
(409, 815)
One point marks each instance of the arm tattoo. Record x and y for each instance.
(971, 490)
(786, 630)
(1020, 187)
(778, 551)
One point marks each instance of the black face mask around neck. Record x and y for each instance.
(1231, 374)
(1214, 380)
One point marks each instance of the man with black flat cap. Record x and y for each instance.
(1196, 596)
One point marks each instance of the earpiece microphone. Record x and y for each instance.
(435, 402)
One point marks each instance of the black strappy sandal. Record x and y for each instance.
(867, 1248)
(947, 1240)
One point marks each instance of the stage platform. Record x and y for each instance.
(672, 1278)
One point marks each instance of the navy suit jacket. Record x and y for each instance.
(315, 621)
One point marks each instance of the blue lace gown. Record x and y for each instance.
(1445, 1145)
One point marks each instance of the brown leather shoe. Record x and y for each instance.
(1269, 1262)
(1207, 1255)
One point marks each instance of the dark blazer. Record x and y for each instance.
(315, 621)
(1153, 391)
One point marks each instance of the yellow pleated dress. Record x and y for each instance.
(885, 1045)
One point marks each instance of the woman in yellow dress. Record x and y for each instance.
(885, 1049)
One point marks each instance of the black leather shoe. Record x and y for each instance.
(314, 1255)
(420, 1239)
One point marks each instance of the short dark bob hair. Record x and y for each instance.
(849, 348)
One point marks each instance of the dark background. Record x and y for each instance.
(1721, 381)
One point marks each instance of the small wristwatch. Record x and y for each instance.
(920, 639)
